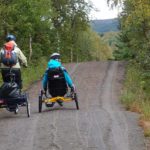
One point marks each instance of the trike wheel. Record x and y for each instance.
(76, 100)
(28, 109)
(28, 106)
(16, 111)
(40, 104)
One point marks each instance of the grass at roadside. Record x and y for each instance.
(33, 73)
(136, 96)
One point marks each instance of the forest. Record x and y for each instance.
(45, 26)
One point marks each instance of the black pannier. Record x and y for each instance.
(9, 90)
(11, 94)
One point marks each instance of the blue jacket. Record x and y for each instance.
(55, 64)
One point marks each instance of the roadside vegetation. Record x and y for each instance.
(33, 73)
(133, 45)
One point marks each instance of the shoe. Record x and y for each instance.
(50, 105)
(23, 104)
(16, 110)
(60, 102)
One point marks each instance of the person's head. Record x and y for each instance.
(55, 56)
(10, 37)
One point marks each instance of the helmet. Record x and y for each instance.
(10, 37)
(55, 56)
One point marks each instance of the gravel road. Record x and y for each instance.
(100, 124)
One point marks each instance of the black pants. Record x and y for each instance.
(17, 77)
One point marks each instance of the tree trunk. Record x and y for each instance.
(30, 48)
(71, 55)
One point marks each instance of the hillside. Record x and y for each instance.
(107, 25)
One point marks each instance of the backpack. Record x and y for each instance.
(9, 56)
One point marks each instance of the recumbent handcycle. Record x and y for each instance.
(58, 90)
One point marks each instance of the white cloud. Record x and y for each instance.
(104, 12)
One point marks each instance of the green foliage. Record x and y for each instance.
(44, 26)
(110, 38)
(56, 26)
(134, 41)
(34, 72)
(92, 47)
(136, 90)
(122, 49)
(134, 45)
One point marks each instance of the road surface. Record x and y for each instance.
(100, 124)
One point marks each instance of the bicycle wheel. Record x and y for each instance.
(28, 105)
(76, 100)
(28, 109)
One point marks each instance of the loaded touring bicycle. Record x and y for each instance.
(11, 96)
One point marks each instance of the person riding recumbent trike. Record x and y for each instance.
(58, 90)
(11, 96)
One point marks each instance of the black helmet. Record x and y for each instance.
(55, 56)
(10, 37)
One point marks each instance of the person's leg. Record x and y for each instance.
(18, 79)
(50, 105)
(4, 73)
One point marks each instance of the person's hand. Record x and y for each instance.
(44, 90)
(73, 88)
(25, 65)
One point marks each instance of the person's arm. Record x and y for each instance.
(22, 57)
(67, 78)
(44, 81)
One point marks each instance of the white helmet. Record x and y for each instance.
(55, 56)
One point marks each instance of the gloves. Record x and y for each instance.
(45, 89)
(73, 88)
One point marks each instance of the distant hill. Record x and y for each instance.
(107, 25)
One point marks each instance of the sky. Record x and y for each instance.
(104, 12)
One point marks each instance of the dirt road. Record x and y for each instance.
(100, 124)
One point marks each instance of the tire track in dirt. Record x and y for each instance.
(117, 135)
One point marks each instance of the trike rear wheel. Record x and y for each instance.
(40, 104)
(76, 100)
(28, 109)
